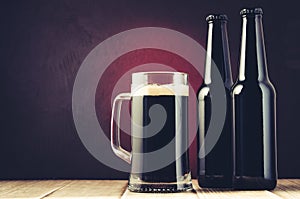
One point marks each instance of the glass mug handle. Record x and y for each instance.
(115, 133)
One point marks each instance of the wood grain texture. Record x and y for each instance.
(29, 189)
(64, 189)
(288, 189)
(91, 189)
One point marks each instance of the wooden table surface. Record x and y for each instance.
(50, 189)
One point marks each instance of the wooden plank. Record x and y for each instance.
(180, 195)
(65, 189)
(229, 194)
(288, 189)
(29, 189)
(91, 189)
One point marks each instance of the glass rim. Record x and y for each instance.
(160, 72)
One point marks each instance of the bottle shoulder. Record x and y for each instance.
(255, 83)
(251, 86)
(209, 90)
(203, 91)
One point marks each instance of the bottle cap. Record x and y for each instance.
(253, 11)
(214, 17)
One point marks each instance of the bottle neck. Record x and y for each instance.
(217, 53)
(253, 62)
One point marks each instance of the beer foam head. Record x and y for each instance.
(157, 83)
(158, 90)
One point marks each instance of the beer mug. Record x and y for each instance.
(159, 156)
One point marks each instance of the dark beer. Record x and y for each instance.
(173, 134)
(215, 170)
(254, 110)
(159, 130)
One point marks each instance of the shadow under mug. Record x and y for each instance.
(159, 132)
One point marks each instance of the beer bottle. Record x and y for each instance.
(254, 110)
(215, 169)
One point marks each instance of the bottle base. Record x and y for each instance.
(215, 181)
(253, 183)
